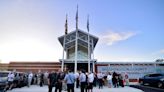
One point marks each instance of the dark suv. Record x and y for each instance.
(156, 79)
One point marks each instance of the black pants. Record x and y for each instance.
(77, 83)
(41, 83)
(58, 87)
(100, 83)
(70, 87)
(83, 86)
(121, 83)
(50, 88)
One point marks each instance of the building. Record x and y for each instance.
(78, 53)
(78, 48)
(3, 66)
(135, 70)
(34, 66)
(82, 50)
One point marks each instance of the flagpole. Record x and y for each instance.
(88, 45)
(66, 29)
(76, 43)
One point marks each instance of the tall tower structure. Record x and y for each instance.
(78, 49)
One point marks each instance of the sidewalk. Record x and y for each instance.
(35, 88)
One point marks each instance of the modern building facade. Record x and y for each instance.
(78, 48)
(135, 70)
(69, 46)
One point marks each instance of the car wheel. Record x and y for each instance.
(160, 85)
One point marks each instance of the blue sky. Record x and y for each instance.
(128, 30)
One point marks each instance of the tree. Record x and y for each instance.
(159, 60)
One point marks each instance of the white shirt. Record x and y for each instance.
(46, 74)
(82, 77)
(11, 77)
(76, 75)
(90, 78)
(30, 76)
(99, 76)
(109, 77)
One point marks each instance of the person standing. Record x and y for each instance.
(70, 80)
(10, 79)
(90, 81)
(95, 79)
(109, 78)
(30, 76)
(115, 79)
(120, 77)
(82, 79)
(126, 79)
(41, 79)
(58, 84)
(16, 81)
(45, 77)
(100, 79)
(51, 80)
(64, 84)
(77, 79)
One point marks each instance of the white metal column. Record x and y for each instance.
(88, 53)
(62, 67)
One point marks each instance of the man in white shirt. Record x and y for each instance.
(30, 76)
(90, 81)
(77, 79)
(100, 79)
(10, 79)
(82, 79)
(109, 78)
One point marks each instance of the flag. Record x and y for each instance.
(88, 23)
(77, 18)
(66, 25)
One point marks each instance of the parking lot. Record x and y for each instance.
(35, 88)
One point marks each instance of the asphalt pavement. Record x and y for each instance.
(35, 88)
(148, 88)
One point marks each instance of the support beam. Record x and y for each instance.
(62, 66)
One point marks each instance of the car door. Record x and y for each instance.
(147, 79)
(154, 79)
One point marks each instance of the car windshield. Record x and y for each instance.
(155, 75)
(3, 74)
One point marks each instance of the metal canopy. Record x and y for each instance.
(82, 39)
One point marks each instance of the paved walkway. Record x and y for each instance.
(35, 88)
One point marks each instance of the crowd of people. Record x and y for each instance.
(85, 81)
(20, 79)
(67, 80)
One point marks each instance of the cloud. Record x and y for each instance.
(114, 37)
(161, 51)
(158, 52)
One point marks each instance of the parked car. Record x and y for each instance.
(3, 79)
(156, 79)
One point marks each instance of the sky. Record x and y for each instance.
(128, 30)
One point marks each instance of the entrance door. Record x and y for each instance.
(70, 66)
(80, 66)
